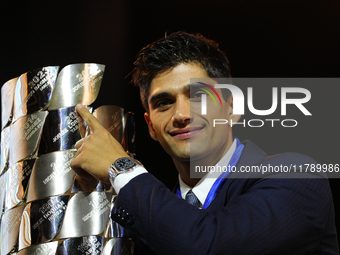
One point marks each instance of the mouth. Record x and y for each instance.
(185, 133)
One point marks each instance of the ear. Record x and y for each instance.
(150, 126)
(233, 117)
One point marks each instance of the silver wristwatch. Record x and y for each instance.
(122, 165)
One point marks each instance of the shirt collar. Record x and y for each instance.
(203, 187)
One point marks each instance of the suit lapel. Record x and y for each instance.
(251, 155)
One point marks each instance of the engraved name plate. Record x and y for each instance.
(52, 175)
(10, 223)
(77, 84)
(17, 182)
(87, 214)
(7, 98)
(40, 249)
(87, 245)
(5, 145)
(42, 220)
(33, 91)
(25, 136)
(118, 246)
(61, 130)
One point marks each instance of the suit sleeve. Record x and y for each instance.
(255, 216)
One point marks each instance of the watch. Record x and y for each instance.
(122, 165)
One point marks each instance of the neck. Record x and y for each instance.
(183, 169)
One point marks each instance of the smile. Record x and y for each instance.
(185, 133)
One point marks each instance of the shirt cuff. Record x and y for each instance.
(121, 180)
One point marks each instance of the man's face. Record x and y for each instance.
(175, 119)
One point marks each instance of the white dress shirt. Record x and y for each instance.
(202, 188)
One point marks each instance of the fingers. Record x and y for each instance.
(86, 184)
(82, 128)
(80, 143)
(77, 166)
(90, 160)
(96, 151)
(83, 174)
(91, 121)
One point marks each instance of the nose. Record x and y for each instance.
(181, 116)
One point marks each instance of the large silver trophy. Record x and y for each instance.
(45, 208)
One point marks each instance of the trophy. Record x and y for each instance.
(45, 207)
(7, 98)
(33, 91)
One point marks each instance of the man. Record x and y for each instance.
(268, 215)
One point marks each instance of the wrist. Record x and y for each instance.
(122, 165)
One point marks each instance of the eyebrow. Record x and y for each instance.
(159, 96)
(200, 85)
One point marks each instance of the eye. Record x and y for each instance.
(197, 95)
(162, 104)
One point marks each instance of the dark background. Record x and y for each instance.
(263, 38)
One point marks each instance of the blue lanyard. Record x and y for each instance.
(222, 178)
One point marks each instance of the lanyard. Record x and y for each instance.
(223, 176)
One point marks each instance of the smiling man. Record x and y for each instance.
(174, 120)
(231, 213)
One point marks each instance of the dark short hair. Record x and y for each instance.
(175, 49)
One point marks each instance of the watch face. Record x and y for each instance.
(124, 163)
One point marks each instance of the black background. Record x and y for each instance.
(263, 38)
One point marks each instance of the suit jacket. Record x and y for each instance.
(251, 214)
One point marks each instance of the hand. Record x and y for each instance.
(97, 151)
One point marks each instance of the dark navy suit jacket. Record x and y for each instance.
(254, 214)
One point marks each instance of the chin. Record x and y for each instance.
(195, 155)
(181, 156)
